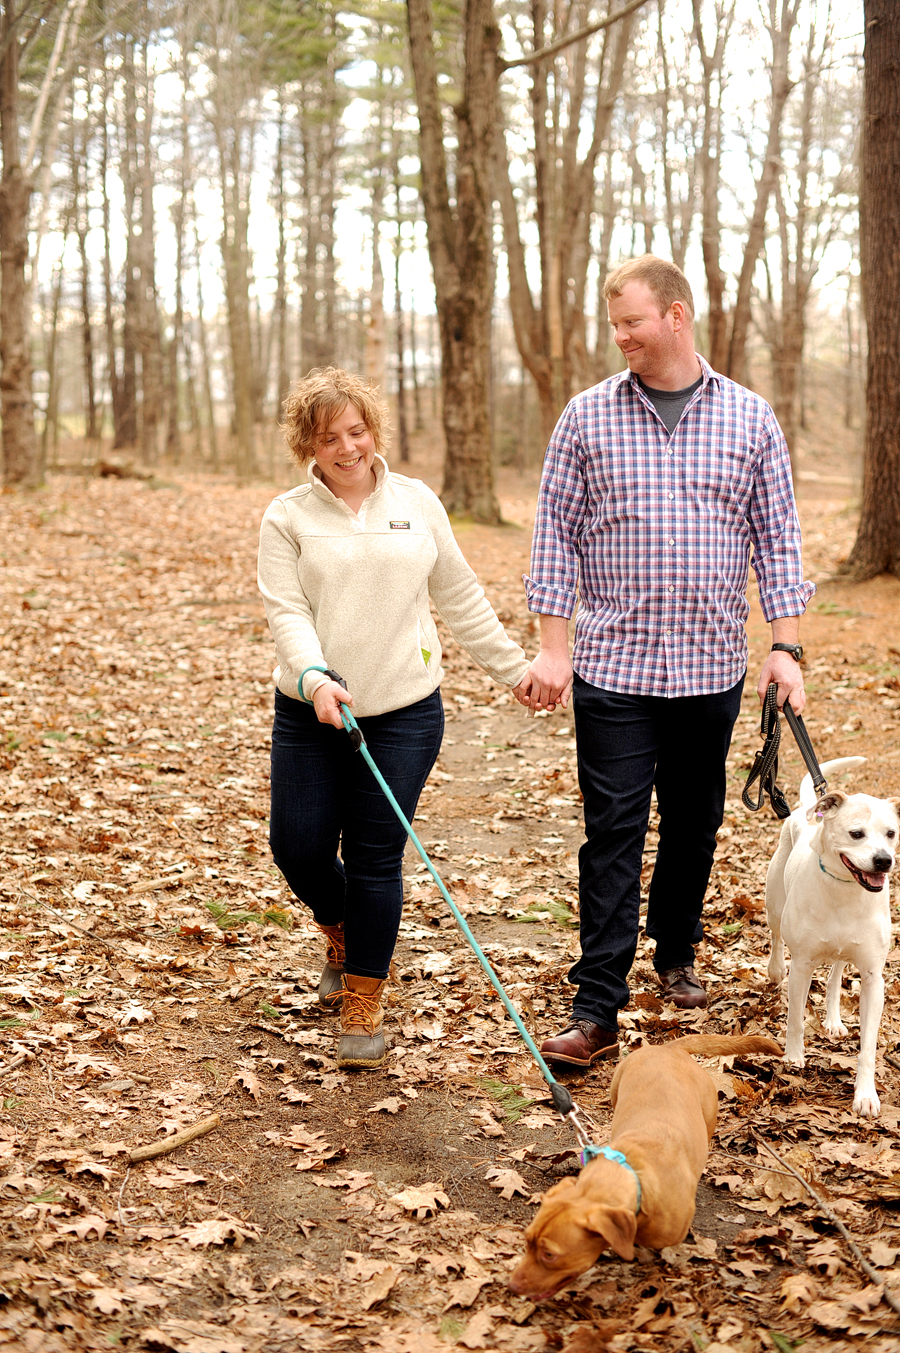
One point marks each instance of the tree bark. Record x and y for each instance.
(460, 247)
(877, 547)
(780, 30)
(20, 448)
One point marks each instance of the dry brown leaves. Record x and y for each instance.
(150, 979)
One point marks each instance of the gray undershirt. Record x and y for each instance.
(670, 404)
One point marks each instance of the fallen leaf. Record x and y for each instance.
(509, 1182)
(424, 1201)
(107, 1300)
(218, 1231)
(477, 1331)
(387, 1106)
(797, 1291)
(377, 1288)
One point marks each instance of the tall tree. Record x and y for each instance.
(458, 216)
(568, 81)
(20, 447)
(877, 546)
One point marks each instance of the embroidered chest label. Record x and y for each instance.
(400, 525)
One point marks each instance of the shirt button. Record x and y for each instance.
(671, 542)
(670, 452)
(668, 631)
(671, 495)
(671, 589)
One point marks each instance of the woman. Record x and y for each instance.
(348, 563)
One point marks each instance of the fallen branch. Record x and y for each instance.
(170, 1144)
(23, 892)
(893, 1060)
(868, 1270)
(17, 1061)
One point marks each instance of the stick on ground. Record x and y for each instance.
(170, 1144)
(857, 1253)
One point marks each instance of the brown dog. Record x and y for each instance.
(664, 1117)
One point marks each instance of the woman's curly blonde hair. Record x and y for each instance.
(321, 396)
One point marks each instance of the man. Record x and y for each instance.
(656, 485)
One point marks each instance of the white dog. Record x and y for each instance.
(828, 899)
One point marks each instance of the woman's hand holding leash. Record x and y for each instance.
(327, 702)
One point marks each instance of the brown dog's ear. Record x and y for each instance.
(825, 805)
(617, 1226)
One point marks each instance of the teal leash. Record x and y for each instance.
(562, 1098)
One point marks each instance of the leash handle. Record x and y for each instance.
(798, 728)
(765, 763)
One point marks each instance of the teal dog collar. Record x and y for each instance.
(590, 1153)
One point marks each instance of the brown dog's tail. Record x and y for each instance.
(726, 1045)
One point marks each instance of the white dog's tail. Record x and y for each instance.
(725, 1045)
(808, 794)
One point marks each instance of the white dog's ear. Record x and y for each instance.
(827, 804)
(617, 1226)
(895, 804)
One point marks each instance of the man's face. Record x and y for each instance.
(651, 343)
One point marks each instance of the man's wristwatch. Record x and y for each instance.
(795, 650)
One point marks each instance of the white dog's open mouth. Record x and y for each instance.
(873, 883)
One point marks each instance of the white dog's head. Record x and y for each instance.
(858, 832)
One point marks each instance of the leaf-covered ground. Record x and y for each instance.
(155, 972)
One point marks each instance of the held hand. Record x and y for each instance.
(547, 683)
(328, 700)
(781, 668)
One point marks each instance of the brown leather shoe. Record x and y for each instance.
(581, 1043)
(682, 987)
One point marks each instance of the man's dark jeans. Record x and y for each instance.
(626, 744)
(324, 796)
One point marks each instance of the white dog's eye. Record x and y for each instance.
(890, 834)
(857, 835)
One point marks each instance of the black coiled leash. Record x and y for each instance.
(765, 764)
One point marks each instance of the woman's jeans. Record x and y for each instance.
(324, 796)
(626, 745)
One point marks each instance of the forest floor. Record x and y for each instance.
(154, 972)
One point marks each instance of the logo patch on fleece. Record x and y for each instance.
(400, 526)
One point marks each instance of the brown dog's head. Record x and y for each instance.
(567, 1237)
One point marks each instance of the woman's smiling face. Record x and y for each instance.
(345, 452)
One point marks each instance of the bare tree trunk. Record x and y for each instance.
(402, 426)
(91, 430)
(279, 305)
(49, 443)
(710, 161)
(877, 546)
(20, 448)
(460, 246)
(112, 367)
(780, 29)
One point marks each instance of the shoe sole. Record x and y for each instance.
(601, 1055)
(360, 1062)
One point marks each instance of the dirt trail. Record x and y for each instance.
(148, 981)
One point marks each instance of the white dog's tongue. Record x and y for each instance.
(871, 881)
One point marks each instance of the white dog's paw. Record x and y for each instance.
(796, 1059)
(776, 970)
(866, 1102)
(837, 1030)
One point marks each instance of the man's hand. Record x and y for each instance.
(547, 683)
(327, 702)
(783, 669)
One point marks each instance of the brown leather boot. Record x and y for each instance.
(330, 990)
(362, 1037)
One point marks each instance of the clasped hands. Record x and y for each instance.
(546, 684)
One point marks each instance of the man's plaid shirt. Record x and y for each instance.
(652, 535)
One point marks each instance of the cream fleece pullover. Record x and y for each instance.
(350, 591)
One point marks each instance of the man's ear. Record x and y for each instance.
(617, 1226)
(827, 804)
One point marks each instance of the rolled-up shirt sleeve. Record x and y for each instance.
(775, 529)
(551, 588)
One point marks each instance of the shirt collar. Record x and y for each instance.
(628, 380)
(321, 489)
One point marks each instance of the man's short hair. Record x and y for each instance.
(667, 282)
